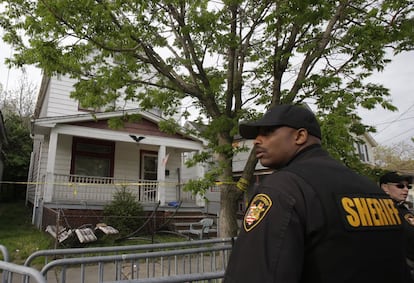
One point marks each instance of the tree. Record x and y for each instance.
(398, 157)
(124, 212)
(17, 108)
(230, 58)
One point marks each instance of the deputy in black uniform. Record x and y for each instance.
(396, 186)
(313, 220)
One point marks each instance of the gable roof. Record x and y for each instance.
(148, 124)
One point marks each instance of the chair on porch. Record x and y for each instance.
(200, 228)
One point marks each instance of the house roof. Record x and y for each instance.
(99, 119)
(147, 125)
(42, 94)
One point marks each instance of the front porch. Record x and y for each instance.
(98, 191)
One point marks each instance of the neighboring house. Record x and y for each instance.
(365, 148)
(3, 142)
(78, 161)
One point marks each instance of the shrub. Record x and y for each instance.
(124, 213)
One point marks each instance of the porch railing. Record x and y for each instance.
(76, 188)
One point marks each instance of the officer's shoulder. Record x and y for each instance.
(283, 176)
(282, 181)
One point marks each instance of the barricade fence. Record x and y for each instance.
(11, 272)
(189, 261)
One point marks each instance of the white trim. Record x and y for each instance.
(124, 136)
(50, 167)
(51, 122)
(161, 173)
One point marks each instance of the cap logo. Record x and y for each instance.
(256, 212)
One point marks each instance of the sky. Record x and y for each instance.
(395, 127)
(392, 127)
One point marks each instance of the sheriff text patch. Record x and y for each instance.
(367, 213)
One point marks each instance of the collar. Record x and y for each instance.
(303, 152)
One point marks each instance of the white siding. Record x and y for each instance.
(63, 155)
(240, 159)
(174, 162)
(126, 161)
(59, 102)
(188, 173)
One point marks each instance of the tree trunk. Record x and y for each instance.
(228, 211)
(229, 198)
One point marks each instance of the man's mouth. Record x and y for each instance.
(259, 154)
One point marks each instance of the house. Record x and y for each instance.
(364, 148)
(78, 161)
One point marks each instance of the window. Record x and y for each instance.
(363, 152)
(92, 157)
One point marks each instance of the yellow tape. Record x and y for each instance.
(242, 184)
(114, 184)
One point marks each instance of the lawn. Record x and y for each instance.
(21, 238)
(17, 233)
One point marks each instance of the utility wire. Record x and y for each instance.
(397, 119)
(387, 122)
(399, 136)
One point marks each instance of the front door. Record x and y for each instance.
(149, 169)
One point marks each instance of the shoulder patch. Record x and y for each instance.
(409, 217)
(257, 210)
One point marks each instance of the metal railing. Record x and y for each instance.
(69, 188)
(10, 271)
(188, 261)
(85, 252)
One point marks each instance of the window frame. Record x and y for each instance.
(110, 155)
(143, 154)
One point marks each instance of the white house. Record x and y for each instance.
(78, 161)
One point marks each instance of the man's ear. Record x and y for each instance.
(301, 136)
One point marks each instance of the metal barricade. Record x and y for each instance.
(10, 270)
(188, 261)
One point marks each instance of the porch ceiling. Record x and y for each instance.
(112, 135)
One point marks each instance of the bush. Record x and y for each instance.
(124, 213)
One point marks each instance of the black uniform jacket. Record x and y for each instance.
(408, 220)
(317, 221)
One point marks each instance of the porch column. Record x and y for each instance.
(161, 174)
(50, 166)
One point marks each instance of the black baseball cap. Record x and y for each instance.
(395, 177)
(293, 116)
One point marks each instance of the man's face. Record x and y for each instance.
(275, 147)
(397, 191)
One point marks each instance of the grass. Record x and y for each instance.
(21, 238)
(17, 233)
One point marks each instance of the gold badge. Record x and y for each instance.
(257, 210)
(409, 218)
